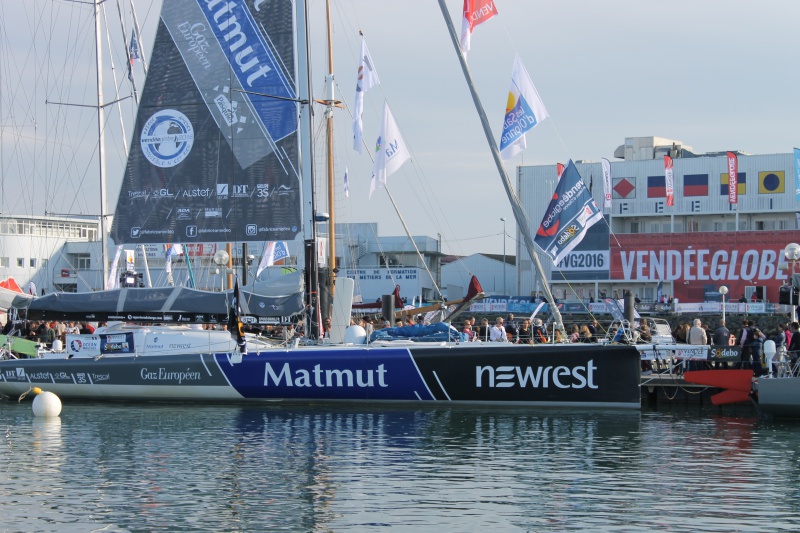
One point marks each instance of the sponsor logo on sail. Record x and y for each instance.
(213, 212)
(222, 190)
(183, 213)
(167, 138)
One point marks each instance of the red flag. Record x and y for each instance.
(475, 12)
(669, 181)
(559, 169)
(733, 178)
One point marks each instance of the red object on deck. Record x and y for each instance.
(737, 384)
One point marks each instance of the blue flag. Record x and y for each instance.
(797, 173)
(571, 212)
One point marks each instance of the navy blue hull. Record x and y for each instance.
(546, 375)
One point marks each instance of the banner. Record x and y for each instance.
(391, 150)
(797, 174)
(367, 79)
(524, 110)
(571, 212)
(733, 175)
(669, 182)
(559, 169)
(475, 12)
(606, 164)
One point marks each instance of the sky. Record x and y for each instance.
(716, 75)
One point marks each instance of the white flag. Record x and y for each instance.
(390, 151)
(112, 282)
(367, 79)
(606, 164)
(524, 110)
(275, 251)
(346, 184)
(173, 250)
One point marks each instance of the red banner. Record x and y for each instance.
(733, 178)
(559, 169)
(695, 262)
(669, 181)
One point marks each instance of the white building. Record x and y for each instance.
(496, 277)
(696, 246)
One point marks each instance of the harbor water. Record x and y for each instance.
(157, 467)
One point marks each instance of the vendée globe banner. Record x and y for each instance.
(797, 173)
(571, 212)
(214, 151)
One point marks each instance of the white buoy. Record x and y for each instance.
(46, 404)
(355, 335)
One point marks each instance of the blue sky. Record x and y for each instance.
(715, 74)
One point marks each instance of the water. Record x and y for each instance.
(117, 467)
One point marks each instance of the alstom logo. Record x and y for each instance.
(562, 377)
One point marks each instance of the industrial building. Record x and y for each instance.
(692, 248)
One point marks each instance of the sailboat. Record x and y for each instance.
(222, 149)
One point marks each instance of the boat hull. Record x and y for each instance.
(602, 376)
(779, 397)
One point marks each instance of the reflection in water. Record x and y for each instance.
(259, 468)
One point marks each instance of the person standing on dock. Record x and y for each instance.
(721, 335)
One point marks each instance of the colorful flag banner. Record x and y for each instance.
(475, 12)
(367, 79)
(571, 212)
(695, 185)
(524, 111)
(669, 182)
(772, 182)
(733, 174)
(275, 251)
(797, 174)
(559, 169)
(346, 184)
(606, 164)
(391, 151)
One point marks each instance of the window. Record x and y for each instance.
(20, 262)
(33, 262)
(65, 287)
(760, 226)
(634, 227)
(82, 261)
(4, 262)
(44, 263)
(654, 227)
(692, 226)
(717, 226)
(782, 224)
(743, 226)
(730, 226)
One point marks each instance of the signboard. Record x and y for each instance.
(372, 283)
(698, 263)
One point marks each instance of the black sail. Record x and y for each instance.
(214, 152)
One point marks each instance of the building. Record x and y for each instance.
(55, 253)
(496, 277)
(692, 248)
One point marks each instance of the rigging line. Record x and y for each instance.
(114, 75)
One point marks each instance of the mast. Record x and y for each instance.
(307, 170)
(101, 143)
(519, 214)
(329, 104)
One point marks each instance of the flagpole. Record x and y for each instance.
(519, 214)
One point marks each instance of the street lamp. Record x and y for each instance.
(792, 254)
(723, 290)
(221, 259)
(503, 220)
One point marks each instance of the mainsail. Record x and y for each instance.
(214, 151)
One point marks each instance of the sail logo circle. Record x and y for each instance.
(167, 138)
